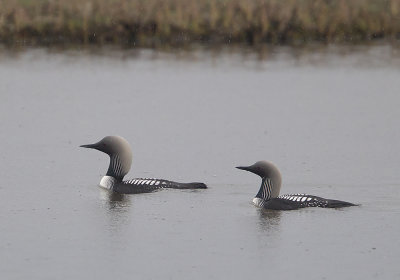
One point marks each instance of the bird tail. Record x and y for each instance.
(338, 204)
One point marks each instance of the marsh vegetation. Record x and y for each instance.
(177, 22)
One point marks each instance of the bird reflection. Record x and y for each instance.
(115, 200)
(269, 220)
(117, 213)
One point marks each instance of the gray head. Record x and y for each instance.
(271, 178)
(120, 154)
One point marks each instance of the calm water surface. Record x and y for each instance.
(328, 118)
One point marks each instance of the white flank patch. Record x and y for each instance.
(303, 199)
(157, 183)
(107, 182)
(258, 202)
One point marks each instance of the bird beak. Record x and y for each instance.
(247, 168)
(90, 146)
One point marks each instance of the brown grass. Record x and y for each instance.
(170, 22)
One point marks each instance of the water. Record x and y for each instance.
(328, 118)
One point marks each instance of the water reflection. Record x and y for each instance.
(269, 220)
(379, 54)
(117, 213)
(115, 200)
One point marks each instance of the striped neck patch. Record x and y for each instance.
(265, 191)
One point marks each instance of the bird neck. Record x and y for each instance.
(119, 165)
(267, 189)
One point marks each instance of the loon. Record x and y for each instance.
(268, 196)
(120, 154)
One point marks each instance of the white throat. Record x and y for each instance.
(108, 182)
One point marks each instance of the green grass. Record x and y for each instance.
(180, 22)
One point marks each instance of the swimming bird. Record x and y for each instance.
(268, 196)
(120, 154)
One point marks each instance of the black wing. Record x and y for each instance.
(282, 204)
(296, 201)
(146, 185)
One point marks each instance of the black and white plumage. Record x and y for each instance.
(120, 163)
(268, 196)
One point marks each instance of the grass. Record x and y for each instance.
(177, 22)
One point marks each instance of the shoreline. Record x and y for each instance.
(180, 23)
